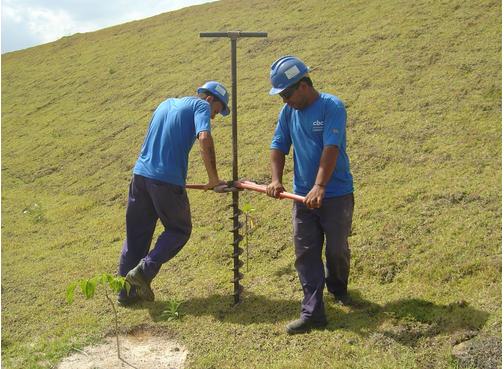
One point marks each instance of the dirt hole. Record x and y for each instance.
(140, 348)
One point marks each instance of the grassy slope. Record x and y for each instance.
(422, 83)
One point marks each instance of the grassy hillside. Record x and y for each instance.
(422, 84)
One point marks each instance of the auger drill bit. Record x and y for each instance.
(237, 250)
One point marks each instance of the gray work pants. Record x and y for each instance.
(332, 221)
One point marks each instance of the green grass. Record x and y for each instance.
(422, 84)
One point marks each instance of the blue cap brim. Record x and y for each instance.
(276, 91)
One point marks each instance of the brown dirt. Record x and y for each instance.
(140, 349)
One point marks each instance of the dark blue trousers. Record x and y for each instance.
(148, 201)
(332, 221)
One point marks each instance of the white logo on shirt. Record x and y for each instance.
(318, 126)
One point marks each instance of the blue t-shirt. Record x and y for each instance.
(172, 131)
(323, 123)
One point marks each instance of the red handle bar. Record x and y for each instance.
(247, 185)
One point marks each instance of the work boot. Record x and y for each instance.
(304, 325)
(136, 277)
(128, 300)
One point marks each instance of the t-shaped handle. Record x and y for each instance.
(233, 34)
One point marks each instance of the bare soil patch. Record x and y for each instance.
(140, 348)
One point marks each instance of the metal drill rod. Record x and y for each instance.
(233, 36)
(236, 223)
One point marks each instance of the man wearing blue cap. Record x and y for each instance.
(157, 189)
(315, 124)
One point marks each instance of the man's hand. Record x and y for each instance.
(225, 188)
(315, 196)
(212, 184)
(274, 189)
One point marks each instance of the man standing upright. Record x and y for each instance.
(157, 189)
(315, 124)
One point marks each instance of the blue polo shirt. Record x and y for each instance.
(172, 131)
(323, 123)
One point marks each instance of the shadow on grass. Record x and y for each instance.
(405, 320)
(253, 309)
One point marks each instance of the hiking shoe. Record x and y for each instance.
(136, 278)
(304, 326)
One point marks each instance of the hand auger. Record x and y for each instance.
(234, 36)
(235, 187)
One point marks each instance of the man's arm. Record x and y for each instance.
(208, 154)
(326, 168)
(277, 166)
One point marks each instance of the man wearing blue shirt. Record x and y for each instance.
(315, 124)
(157, 189)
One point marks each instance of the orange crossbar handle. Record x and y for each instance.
(247, 185)
(262, 188)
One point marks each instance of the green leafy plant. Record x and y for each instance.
(172, 310)
(110, 284)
